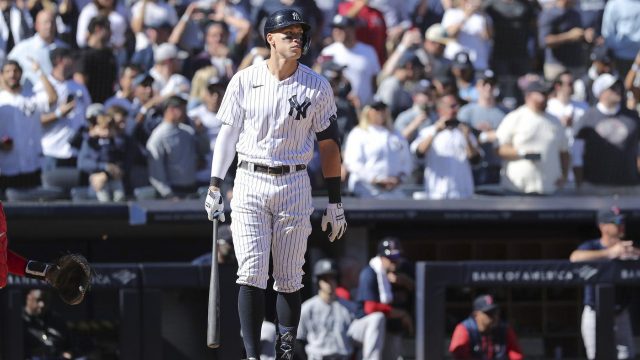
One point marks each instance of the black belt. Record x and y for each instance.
(271, 170)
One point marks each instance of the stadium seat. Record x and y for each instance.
(145, 193)
(82, 193)
(34, 194)
(64, 178)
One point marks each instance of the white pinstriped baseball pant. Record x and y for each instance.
(622, 329)
(270, 215)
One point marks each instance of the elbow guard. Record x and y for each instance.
(331, 132)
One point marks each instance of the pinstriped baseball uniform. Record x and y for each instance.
(279, 120)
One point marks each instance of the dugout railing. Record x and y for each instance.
(433, 278)
(138, 291)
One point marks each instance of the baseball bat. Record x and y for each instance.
(213, 315)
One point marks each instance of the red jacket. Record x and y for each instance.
(10, 262)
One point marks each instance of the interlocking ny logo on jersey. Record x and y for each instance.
(301, 109)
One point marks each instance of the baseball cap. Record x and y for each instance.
(462, 61)
(389, 247)
(610, 216)
(422, 86)
(331, 70)
(488, 76)
(168, 51)
(143, 78)
(601, 53)
(176, 100)
(378, 104)
(215, 82)
(437, 33)
(94, 110)
(602, 83)
(407, 58)
(325, 267)
(484, 303)
(224, 232)
(537, 86)
(341, 21)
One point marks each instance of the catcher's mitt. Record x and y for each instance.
(71, 277)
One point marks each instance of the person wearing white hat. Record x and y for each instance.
(605, 151)
(432, 52)
(167, 79)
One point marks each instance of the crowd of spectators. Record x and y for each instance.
(436, 99)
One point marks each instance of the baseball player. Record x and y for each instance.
(70, 274)
(330, 327)
(271, 113)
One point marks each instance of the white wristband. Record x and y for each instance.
(521, 153)
(58, 113)
(635, 67)
(483, 138)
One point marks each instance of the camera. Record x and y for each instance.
(452, 123)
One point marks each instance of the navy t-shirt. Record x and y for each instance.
(611, 147)
(623, 296)
(555, 21)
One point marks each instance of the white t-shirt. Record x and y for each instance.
(361, 64)
(155, 12)
(533, 133)
(211, 122)
(20, 120)
(469, 38)
(560, 110)
(375, 152)
(447, 172)
(57, 133)
(175, 84)
(118, 24)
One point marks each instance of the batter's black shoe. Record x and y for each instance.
(284, 346)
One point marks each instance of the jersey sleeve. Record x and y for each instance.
(231, 110)
(460, 347)
(326, 111)
(368, 286)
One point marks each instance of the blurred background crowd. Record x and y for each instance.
(111, 100)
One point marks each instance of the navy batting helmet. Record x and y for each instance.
(287, 17)
(390, 247)
(325, 267)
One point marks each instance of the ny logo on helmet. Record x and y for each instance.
(296, 16)
(301, 109)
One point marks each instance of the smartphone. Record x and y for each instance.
(70, 97)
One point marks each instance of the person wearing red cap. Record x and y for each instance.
(483, 335)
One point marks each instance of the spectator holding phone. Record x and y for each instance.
(448, 146)
(64, 118)
(534, 146)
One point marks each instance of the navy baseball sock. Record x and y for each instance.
(288, 309)
(251, 311)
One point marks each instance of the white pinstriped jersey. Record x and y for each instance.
(279, 119)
